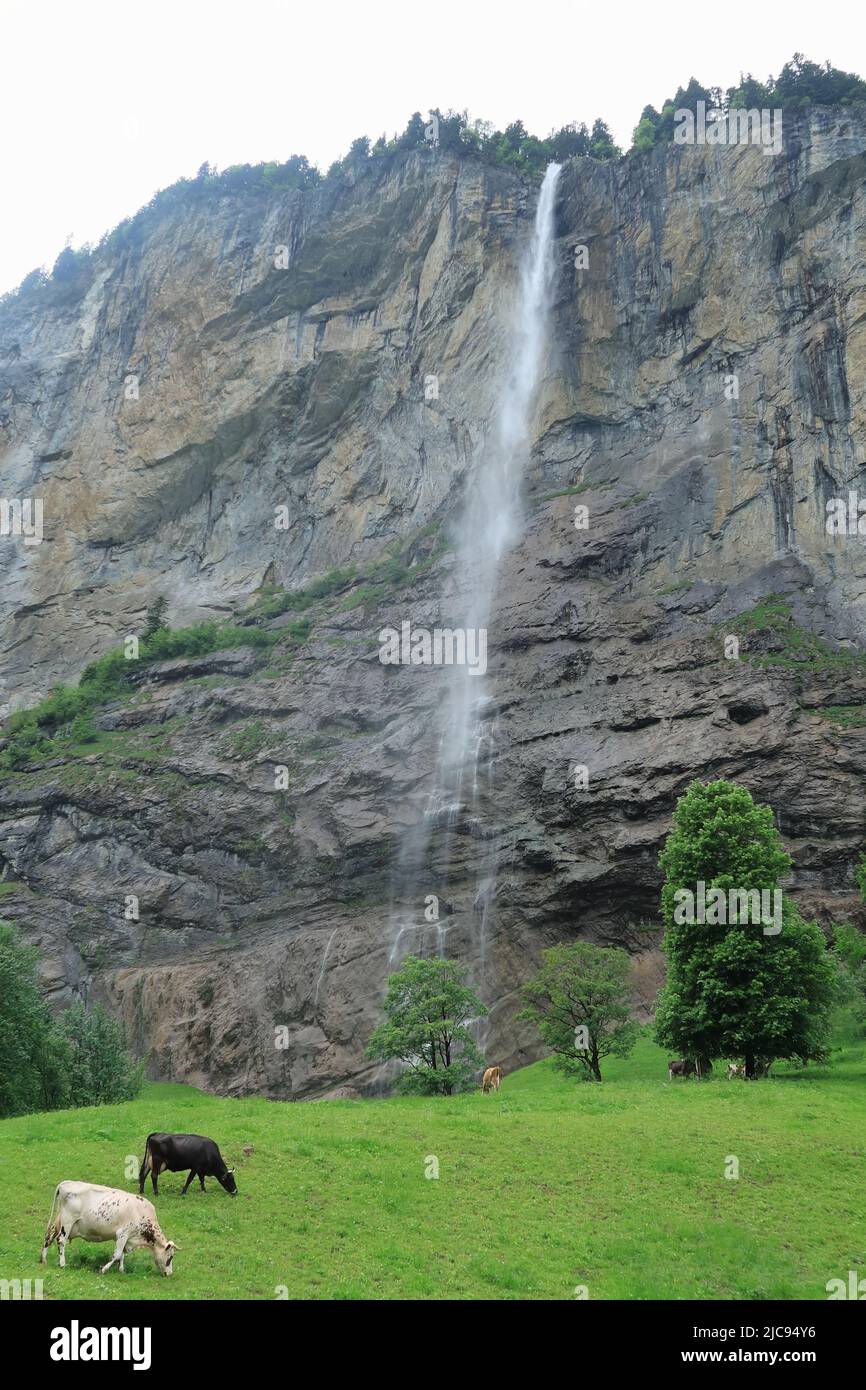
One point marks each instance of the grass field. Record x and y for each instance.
(545, 1187)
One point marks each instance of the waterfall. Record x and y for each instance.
(491, 522)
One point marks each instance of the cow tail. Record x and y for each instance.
(51, 1228)
(142, 1172)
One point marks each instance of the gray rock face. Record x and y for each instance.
(703, 398)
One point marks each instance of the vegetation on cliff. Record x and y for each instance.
(66, 713)
(800, 84)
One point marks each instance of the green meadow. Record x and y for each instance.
(546, 1188)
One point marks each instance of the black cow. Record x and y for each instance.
(681, 1067)
(176, 1152)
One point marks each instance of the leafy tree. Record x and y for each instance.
(570, 142)
(579, 1001)
(644, 136)
(100, 1071)
(413, 135)
(731, 990)
(849, 948)
(602, 144)
(359, 150)
(802, 83)
(31, 1052)
(750, 93)
(427, 1009)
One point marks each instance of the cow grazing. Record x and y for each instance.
(91, 1212)
(176, 1153)
(492, 1079)
(736, 1069)
(681, 1067)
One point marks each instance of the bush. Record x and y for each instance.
(82, 1060)
(99, 1070)
(67, 711)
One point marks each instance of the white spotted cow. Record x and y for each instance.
(92, 1212)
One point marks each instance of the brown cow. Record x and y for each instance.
(736, 1069)
(491, 1080)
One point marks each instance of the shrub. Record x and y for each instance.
(99, 1070)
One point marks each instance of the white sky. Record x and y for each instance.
(102, 101)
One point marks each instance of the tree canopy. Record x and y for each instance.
(427, 1009)
(733, 990)
(579, 1001)
(800, 84)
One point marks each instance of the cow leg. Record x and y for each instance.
(62, 1238)
(190, 1177)
(154, 1174)
(119, 1247)
(201, 1181)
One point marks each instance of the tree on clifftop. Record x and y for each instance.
(737, 988)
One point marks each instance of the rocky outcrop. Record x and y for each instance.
(703, 400)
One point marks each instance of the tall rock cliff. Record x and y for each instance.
(246, 361)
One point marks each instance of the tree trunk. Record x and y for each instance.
(749, 1061)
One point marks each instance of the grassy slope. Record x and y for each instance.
(546, 1186)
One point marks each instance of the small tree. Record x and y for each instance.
(579, 1001)
(156, 617)
(31, 1051)
(427, 1009)
(100, 1070)
(732, 990)
(849, 950)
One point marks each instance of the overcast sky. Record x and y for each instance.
(102, 102)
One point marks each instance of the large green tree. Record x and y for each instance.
(733, 990)
(32, 1054)
(428, 1008)
(579, 1001)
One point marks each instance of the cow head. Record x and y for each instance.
(163, 1253)
(228, 1182)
